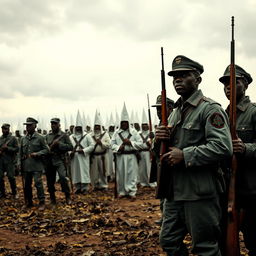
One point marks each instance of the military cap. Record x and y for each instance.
(55, 120)
(169, 102)
(5, 126)
(31, 120)
(240, 72)
(183, 63)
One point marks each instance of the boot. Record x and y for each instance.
(53, 198)
(68, 199)
(41, 206)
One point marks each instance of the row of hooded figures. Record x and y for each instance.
(78, 160)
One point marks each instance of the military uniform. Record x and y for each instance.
(7, 161)
(199, 127)
(56, 162)
(246, 175)
(33, 167)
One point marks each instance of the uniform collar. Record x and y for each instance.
(58, 133)
(244, 103)
(193, 100)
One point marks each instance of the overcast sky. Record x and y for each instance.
(60, 56)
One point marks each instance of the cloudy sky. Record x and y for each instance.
(60, 56)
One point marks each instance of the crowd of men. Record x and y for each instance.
(195, 168)
(80, 158)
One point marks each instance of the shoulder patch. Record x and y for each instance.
(217, 120)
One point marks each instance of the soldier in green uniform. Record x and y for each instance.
(245, 149)
(198, 136)
(8, 150)
(59, 144)
(33, 147)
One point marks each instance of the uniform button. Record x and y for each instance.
(243, 128)
(189, 164)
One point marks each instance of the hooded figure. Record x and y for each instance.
(125, 143)
(80, 157)
(111, 130)
(145, 161)
(99, 158)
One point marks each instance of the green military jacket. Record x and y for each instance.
(57, 154)
(12, 148)
(33, 144)
(199, 127)
(246, 131)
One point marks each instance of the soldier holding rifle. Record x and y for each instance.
(245, 151)
(198, 137)
(8, 150)
(59, 144)
(32, 148)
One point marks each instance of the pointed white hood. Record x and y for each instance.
(124, 114)
(144, 119)
(111, 121)
(136, 118)
(79, 119)
(97, 119)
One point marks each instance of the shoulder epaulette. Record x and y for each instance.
(211, 101)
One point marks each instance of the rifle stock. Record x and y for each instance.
(232, 239)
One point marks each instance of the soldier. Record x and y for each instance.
(198, 137)
(8, 150)
(155, 147)
(125, 144)
(99, 157)
(59, 144)
(80, 157)
(245, 150)
(33, 147)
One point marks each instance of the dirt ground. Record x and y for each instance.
(95, 224)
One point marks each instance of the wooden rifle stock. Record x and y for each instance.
(232, 239)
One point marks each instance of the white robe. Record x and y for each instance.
(80, 163)
(100, 163)
(126, 164)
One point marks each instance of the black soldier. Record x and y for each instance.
(59, 144)
(198, 137)
(8, 151)
(33, 147)
(245, 149)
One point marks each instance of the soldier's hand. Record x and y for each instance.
(162, 133)
(55, 143)
(4, 147)
(148, 144)
(34, 154)
(72, 154)
(151, 135)
(174, 156)
(238, 146)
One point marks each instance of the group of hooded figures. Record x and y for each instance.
(77, 159)
(195, 167)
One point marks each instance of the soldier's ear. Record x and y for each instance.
(199, 79)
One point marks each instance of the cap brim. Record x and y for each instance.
(156, 105)
(223, 78)
(170, 73)
(28, 123)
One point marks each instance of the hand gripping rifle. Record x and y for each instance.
(163, 147)
(232, 240)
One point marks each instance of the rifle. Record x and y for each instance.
(232, 240)
(2, 149)
(56, 140)
(149, 116)
(163, 147)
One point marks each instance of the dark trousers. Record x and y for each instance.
(199, 218)
(10, 170)
(28, 177)
(51, 171)
(247, 204)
